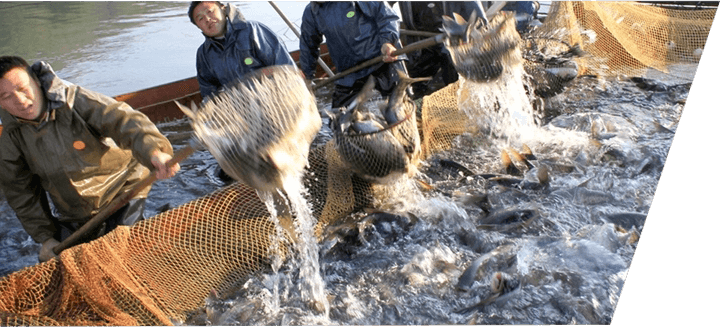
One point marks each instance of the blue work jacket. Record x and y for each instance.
(354, 32)
(248, 45)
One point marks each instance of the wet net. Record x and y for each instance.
(160, 270)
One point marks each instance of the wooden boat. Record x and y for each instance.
(158, 102)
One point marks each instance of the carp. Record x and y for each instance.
(381, 144)
(260, 127)
(480, 51)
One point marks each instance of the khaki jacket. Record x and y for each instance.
(88, 150)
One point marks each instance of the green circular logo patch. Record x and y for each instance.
(248, 61)
(350, 14)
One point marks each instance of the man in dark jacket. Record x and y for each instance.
(525, 12)
(354, 32)
(233, 46)
(74, 147)
(434, 61)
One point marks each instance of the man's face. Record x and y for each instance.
(21, 95)
(209, 17)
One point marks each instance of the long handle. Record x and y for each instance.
(411, 47)
(496, 6)
(120, 201)
(292, 27)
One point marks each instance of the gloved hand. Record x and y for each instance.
(46, 251)
(158, 160)
(387, 50)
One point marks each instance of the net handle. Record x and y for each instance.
(422, 44)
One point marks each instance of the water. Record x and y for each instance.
(119, 47)
(573, 260)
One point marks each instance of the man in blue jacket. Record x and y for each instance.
(233, 46)
(354, 32)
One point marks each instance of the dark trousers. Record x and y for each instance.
(386, 78)
(431, 62)
(128, 215)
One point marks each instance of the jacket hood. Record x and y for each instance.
(54, 89)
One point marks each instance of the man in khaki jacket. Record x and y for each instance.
(71, 149)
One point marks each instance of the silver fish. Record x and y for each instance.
(476, 270)
(503, 287)
(479, 51)
(260, 127)
(400, 116)
(368, 148)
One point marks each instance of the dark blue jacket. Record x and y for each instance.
(524, 12)
(427, 15)
(354, 32)
(248, 45)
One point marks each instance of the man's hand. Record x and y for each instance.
(387, 50)
(162, 171)
(46, 251)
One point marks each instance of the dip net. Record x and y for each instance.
(162, 269)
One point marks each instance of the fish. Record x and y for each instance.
(501, 256)
(516, 163)
(550, 78)
(550, 73)
(503, 287)
(478, 49)
(457, 166)
(356, 119)
(363, 141)
(373, 148)
(346, 237)
(400, 115)
(509, 166)
(508, 219)
(390, 226)
(627, 220)
(259, 128)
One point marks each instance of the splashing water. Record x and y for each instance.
(313, 286)
(305, 253)
(273, 305)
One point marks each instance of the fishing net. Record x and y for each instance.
(630, 39)
(160, 270)
(259, 128)
(151, 274)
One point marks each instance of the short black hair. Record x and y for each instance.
(195, 4)
(9, 62)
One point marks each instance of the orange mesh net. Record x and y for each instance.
(151, 274)
(628, 38)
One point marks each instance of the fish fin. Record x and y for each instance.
(471, 25)
(527, 152)
(190, 112)
(364, 94)
(459, 19)
(450, 26)
(508, 163)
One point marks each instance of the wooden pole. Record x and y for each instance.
(292, 27)
(412, 47)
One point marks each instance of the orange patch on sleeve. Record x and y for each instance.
(79, 145)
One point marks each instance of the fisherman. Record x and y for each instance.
(434, 61)
(233, 46)
(66, 152)
(354, 32)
